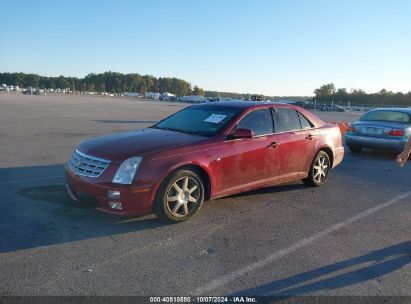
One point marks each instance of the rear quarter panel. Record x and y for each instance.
(330, 137)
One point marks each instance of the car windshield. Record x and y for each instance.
(391, 116)
(199, 120)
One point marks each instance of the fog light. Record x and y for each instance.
(114, 195)
(115, 205)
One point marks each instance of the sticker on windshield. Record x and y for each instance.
(215, 118)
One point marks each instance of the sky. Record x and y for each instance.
(270, 47)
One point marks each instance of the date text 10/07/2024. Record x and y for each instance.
(202, 299)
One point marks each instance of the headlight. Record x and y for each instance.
(127, 170)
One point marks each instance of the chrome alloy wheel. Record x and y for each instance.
(183, 196)
(321, 168)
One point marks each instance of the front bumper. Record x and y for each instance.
(135, 200)
(376, 143)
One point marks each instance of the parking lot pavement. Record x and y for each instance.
(349, 237)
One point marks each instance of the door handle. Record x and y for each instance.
(273, 145)
(311, 137)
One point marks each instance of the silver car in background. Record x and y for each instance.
(385, 129)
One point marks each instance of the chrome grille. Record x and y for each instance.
(86, 165)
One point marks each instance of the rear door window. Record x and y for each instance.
(286, 120)
(305, 123)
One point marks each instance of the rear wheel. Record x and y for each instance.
(179, 197)
(354, 148)
(319, 170)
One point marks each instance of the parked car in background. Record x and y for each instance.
(300, 104)
(256, 98)
(309, 105)
(31, 91)
(387, 129)
(203, 152)
(338, 108)
(331, 108)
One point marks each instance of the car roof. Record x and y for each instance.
(244, 105)
(240, 104)
(404, 110)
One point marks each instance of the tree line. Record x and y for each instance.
(328, 94)
(112, 82)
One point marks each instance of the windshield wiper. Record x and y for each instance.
(198, 133)
(171, 129)
(163, 128)
(186, 131)
(182, 131)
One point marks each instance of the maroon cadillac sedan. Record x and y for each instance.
(200, 153)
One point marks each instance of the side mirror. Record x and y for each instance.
(242, 133)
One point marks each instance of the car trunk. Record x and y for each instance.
(377, 128)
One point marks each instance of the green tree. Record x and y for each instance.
(198, 91)
(32, 80)
(342, 92)
(325, 91)
(90, 87)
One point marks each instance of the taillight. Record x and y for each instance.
(351, 128)
(396, 132)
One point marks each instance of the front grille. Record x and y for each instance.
(86, 165)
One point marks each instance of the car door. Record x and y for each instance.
(298, 139)
(250, 161)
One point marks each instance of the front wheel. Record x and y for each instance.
(319, 170)
(179, 197)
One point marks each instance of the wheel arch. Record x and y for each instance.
(197, 168)
(330, 154)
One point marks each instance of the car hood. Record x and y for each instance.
(119, 146)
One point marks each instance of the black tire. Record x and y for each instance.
(354, 148)
(183, 206)
(318, 173)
